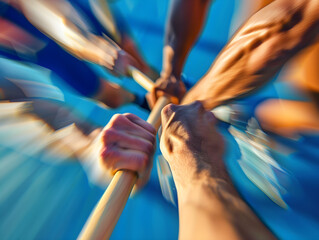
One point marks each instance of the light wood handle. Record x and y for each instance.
(108, 210)
(155, 116)
(141, 79)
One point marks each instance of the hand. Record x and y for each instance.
(171, 86)
(209, 205)
(122, 63)
(191, 144)
(128, 143)
(112, 57)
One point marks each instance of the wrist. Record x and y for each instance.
(205, 187)
(171, 65)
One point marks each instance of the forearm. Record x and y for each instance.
(53, 19)
(185, 22)
(256, 53)
(213, 210)
(209, 206)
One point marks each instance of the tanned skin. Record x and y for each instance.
(186, 19)
(209, 205)
(258, 50)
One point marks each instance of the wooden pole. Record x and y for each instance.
(104, 217)
(141, 78)
(108, 210)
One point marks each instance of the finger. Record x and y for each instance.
(166, 113)
(128, 159)
(138, 144)
(142, 133)
(132, 125)
(211, 117)
(140, 122)
(123, 140)
(107, 64)
(133, 160)
(165, 89)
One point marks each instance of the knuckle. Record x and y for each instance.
(108, 160)
(153, 138)
(198, 105)
(106, 156)
(114, 117)
(149, 148)
(169, 109)
(108, 135)
(112, 121)
(128, 115)
(117, 120)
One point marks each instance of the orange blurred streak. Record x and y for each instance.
(304, 70)
(287, 117)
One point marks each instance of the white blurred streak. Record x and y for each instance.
(22, 211)
(166, 179)
(26, 141)
(38, 90)
(223, 113)
(10, 109)
(258, 164)
(23, 133)
(33, 81)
